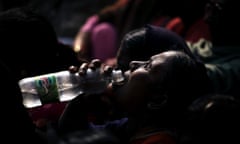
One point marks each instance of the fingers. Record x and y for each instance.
(83, 69)
(73, 69)
(107, 70)
(93, 65)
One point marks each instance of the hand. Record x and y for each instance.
(91, 100)
(93, 73)
(110, 90)
(94, 64)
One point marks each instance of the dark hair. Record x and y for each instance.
(22, 25)
(140, 44)
(183, 82)
(15, 120)
(185, 77)
(29, 42)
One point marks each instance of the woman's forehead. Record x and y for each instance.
(158, 61)
(163, 55)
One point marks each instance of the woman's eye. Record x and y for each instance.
(147, 66)
(136, 65)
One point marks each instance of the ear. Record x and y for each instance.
(157, 102)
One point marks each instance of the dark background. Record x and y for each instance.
(67, 16)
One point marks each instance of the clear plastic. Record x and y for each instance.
(63, 86)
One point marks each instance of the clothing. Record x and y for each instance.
(90, 23)
(222, 64)
(101, 38)
(154, 137)
(146, 136)
(176, 25)
(50, 112)
(104, 39)
(199, 29)
(74, 118)
(118, 128)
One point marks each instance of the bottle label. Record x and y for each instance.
(47, 89)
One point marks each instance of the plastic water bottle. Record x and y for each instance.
(64, 86)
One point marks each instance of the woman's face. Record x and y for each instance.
(142, 75)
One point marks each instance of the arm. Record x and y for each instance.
(74, 118)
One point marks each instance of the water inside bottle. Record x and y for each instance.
(68, 91)
(49, 88)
